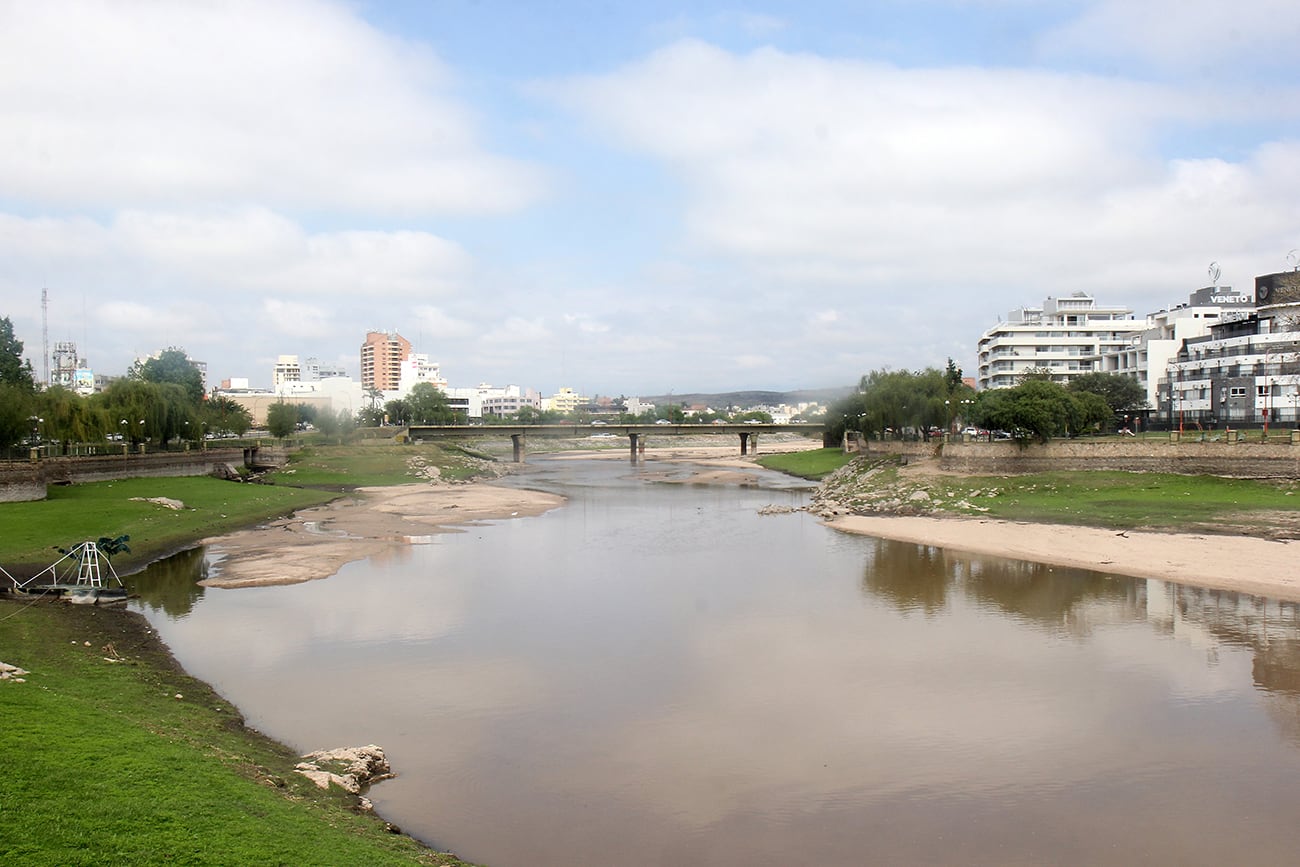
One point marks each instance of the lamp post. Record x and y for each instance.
(1268, 390)
(36, 433)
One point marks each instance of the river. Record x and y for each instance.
(658, 674)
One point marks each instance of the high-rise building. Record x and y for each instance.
(381, 360)
(1066, 336)
(287, 369)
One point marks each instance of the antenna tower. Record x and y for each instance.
(45, 337)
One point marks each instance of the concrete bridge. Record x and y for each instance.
(636, 433)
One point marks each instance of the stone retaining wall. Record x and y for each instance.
(20, 483)
(24, 482)
(1244, 460)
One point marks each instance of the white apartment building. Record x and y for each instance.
(287, 369)
(314, 370)
(1066, 336)
(414, 369)
(1148, 355)
(508, 400)
(565, 400)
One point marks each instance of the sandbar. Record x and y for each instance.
(316, 543)
(1245, 564)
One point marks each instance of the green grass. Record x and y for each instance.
(29, 532)
(105, 765)
(1159, 501)
(1121, 500)
(814, 464)
(373, 465)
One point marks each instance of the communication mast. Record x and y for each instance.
(45, 336)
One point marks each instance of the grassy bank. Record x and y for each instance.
(31, 532)
(1156, 501)
(105, 764)
(815, 464)
(341, 467)
(132, 761)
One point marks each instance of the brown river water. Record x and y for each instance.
(658, 675)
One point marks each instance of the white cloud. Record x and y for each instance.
(231, 286)
(297, 320)
(441, 326)
(1187, 34)
(915, 183)
(296, 103)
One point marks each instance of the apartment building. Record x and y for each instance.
(1067, 336)
(1246, 370)
(382, 355)
(1148, 355)
(287, 369)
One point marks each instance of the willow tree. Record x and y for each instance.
(900, 401)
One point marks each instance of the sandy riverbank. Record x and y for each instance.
(316, 543)
(1240, 563)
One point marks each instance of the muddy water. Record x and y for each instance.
(657, 674)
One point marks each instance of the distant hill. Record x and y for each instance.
(745, 399)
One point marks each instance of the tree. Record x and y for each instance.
(952, 376)
(333, 424)
(397, 411)
(1037, 374)
(69, 417)
(1090, 412)
(428, 405)
(1034, 408)
(142, 411)
(14, 370)
(281, 419)
(1121, 393)
(528, 415)
(174, 366)
(15, 414)
(225, 415)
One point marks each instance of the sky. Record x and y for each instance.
(629, 198)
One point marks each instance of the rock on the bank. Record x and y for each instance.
(350, 768)
(12, 672)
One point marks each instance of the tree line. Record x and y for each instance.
(913, 404)
(160, 400)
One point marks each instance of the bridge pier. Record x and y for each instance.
(635, 440)
(746, 437)
(520, 443)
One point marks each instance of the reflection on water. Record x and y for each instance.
(921, 578)
(171, 585)
(656, 674)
